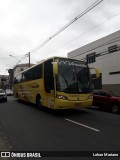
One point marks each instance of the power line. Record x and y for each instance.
(96, 26)
(21, 59)
(64, 27)
(68, 24)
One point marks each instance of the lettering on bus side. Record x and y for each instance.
(34, 85)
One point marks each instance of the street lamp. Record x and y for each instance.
(28, 55)
(14, 57)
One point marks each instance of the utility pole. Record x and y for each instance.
(28, 55)
(29, 58)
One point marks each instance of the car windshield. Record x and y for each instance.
(8, 90)
(1, 91)
(73, 77)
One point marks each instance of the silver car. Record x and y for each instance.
(3, 95)
(9, 92)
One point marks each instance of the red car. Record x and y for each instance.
(107, 100)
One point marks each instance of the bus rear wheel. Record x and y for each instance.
(38, 102)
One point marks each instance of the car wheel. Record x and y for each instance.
(115, 108)
(38, 103)
(5, 100)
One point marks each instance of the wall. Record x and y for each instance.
(108, 63)
(18, 70)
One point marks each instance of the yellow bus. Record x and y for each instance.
(56, 83)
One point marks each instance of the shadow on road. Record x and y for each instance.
(57, 113)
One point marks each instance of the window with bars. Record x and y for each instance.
(91, 58)
(113, 48)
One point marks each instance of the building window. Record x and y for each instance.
(117, 72)
(21, 69)
(91, 58)
(112, 49)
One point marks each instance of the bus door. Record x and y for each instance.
(49, 83)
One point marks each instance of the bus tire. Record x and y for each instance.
(17, 97)
(38, 102)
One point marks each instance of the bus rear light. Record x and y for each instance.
(61, 97)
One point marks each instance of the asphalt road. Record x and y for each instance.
(29, 129)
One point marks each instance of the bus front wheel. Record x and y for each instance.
(38, 102)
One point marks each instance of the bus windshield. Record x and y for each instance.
(73, 77)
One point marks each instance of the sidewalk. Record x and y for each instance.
(4, 144)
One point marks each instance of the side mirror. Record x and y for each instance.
(96, 72)
(55, 68)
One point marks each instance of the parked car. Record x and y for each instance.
(107, 100)
(3, 95)
(9, 92)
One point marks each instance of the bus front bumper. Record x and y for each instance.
(65, 104)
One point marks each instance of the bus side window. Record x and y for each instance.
(33, 74)
(26, 76)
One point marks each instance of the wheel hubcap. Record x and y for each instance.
(115, 109)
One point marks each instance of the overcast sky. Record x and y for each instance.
(25, 24)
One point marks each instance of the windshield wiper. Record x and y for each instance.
(65, 80)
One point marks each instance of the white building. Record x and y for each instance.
(17, 69)
(20, 67)
(105, 55)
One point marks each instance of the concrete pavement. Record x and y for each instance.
(30, 129)
(5, 144)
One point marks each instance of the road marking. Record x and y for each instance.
(83, 125)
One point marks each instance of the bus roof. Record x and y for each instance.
(44, 60)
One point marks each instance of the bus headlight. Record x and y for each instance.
(90, 96)
(61, 97)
